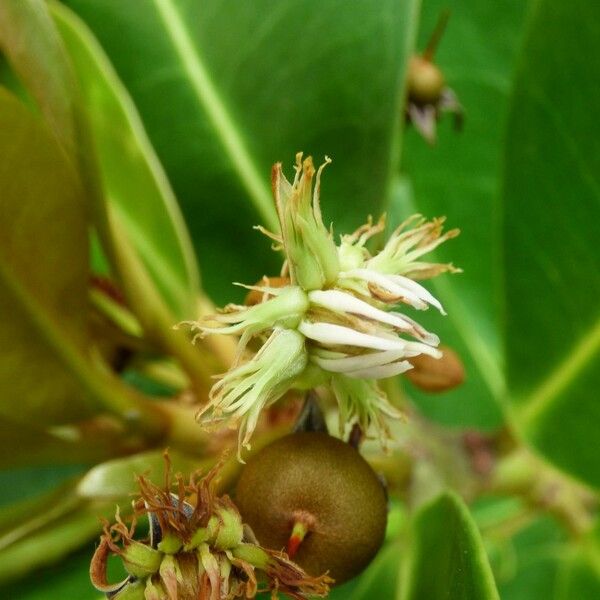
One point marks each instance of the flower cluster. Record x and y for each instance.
(333, 322)
(197, 548)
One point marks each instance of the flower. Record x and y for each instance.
(243, 392)
(361, 401)
(198, 547)
(335, 322)
(428, 94)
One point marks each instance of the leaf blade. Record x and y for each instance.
(551, 189)
(131, 170)
(262, 66)
(446, 542)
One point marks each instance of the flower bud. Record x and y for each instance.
(133, 590)
(437, 375)
(141, 560)
(425, 81)
(231, 530)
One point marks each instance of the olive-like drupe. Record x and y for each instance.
(318, 484)
(425, 81)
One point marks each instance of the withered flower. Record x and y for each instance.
(197, 549)
(428, 94)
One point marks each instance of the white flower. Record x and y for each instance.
(409, 242)
(335, 321)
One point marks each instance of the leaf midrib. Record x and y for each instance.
(214, 106)
(561, 376)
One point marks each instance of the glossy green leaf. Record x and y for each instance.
(43, 273)
(551, 197)
(225, 89)
(30, 19)
(459, 178)
(39, 531)
(132, 174)
(446, 555)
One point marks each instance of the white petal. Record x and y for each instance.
(381, 372)
(386, 282)
(363, 361)
(416, 348)
(421, 333)
(343, 302)
(327, 333)
(419, 290)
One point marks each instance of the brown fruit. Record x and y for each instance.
(327, 485)
(425, 81)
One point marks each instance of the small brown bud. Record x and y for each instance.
(437, 375)
(425, 81)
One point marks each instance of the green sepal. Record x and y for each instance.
(141, 560)
(252, 554)
(170, 544)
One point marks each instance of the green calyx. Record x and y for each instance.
(252, 554)
(310, 250)
(231, 531)
(286, 309)
(141, 560)
(132, 591)
(170, 544)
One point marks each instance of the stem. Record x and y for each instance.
(524, 474)
(154, 315)
(436, 36)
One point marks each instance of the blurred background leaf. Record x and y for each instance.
(32, 45)
(551, 194)
(460, 177)
(43, 274)
(224, 98)
(133, 176)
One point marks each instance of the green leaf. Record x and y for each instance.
(132, 174)
(459, 178)
(579, 576)
(71, 580)
(32, 45)
(43, 273)
(115, 479)
(225, 89)
(446, 556)
(48, 544)
(550, 255)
